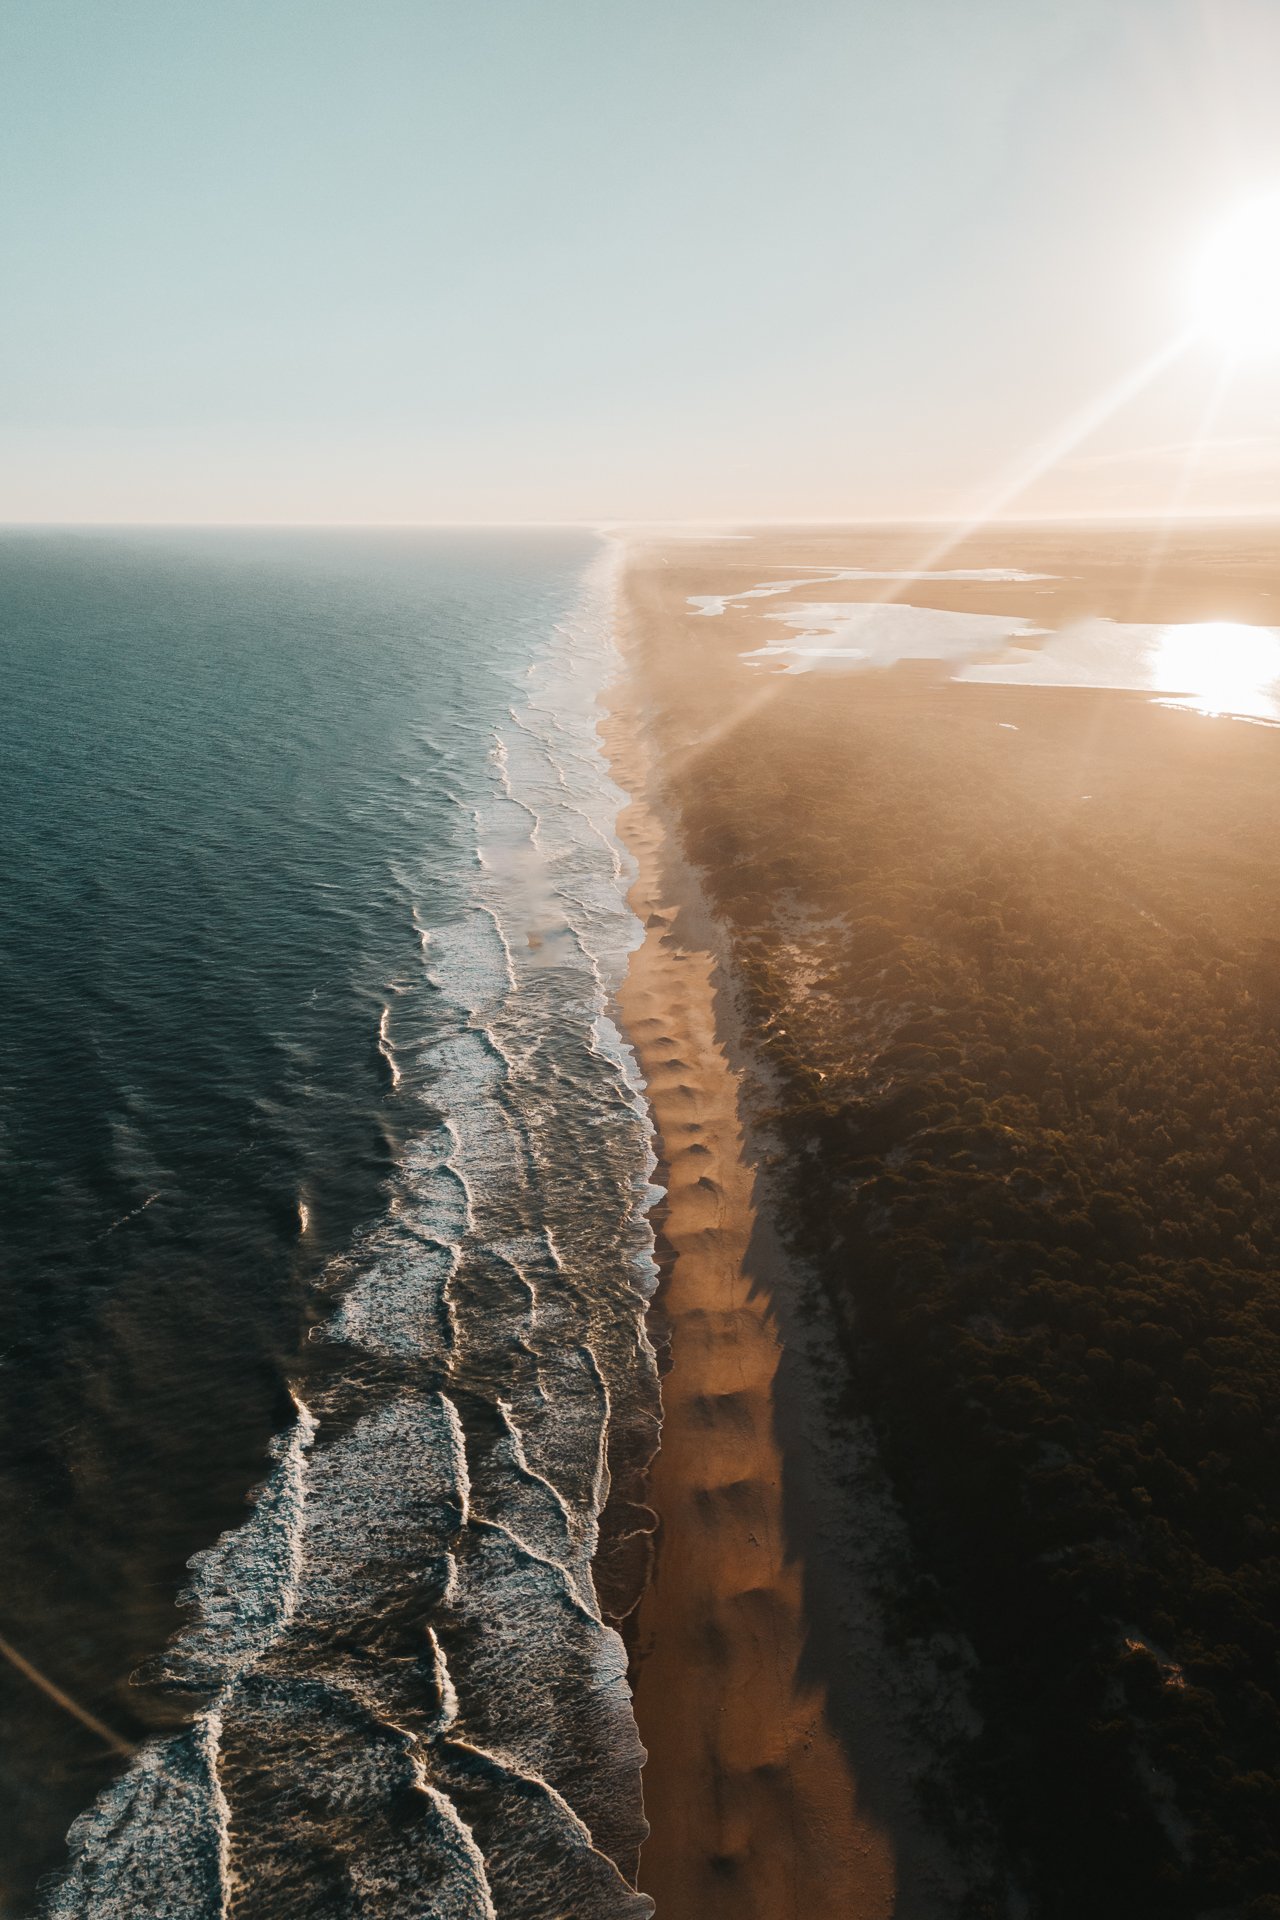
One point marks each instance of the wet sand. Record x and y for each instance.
(781, 1759)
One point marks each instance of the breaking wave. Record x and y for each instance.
(407, 1690)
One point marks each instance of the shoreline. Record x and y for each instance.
(783, 1742)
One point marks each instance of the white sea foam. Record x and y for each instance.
(385, 1047)
(132, 1214)
(469, 1855)
(245, 1588)
(155, 1842)
(411, 1677)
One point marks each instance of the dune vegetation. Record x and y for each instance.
(1012, 962)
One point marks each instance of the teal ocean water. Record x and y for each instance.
(325, 1173)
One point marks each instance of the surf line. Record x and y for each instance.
(86, 1719)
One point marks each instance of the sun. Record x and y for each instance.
(1236, 289)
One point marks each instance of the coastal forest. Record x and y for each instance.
(1011, 962)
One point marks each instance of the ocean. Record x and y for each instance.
(325, 1175)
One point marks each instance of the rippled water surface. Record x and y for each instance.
(325, 1172)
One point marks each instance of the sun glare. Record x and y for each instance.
(1237, 279)
(1221, 666)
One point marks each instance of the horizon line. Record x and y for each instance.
(1134, 516)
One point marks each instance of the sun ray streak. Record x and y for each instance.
(1187, 472)
(1036, 462)
(1055, 447)
(64, 1700)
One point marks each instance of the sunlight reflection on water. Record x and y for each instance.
(1221, 666)
(1210, 666)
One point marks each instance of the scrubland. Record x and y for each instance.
(1011, 964)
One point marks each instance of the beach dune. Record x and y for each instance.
(750, 1796)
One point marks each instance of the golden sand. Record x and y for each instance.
(750, 1797)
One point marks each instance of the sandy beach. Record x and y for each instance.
(751, 1801)
(781, 1753)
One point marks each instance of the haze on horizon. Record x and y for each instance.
(313, 262)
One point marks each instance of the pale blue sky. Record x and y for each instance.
(547, 259)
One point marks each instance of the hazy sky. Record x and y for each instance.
(544, 259)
